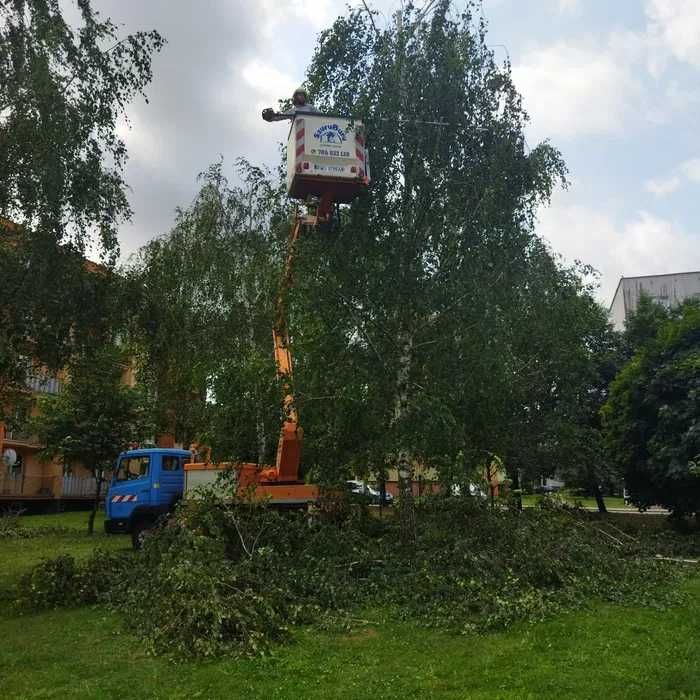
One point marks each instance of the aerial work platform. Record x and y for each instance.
(326, 157)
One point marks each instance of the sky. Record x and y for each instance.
(615, 85)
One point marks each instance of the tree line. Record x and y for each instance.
(430, 326)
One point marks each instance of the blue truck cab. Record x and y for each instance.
(146, 484)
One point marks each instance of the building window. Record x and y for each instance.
(43, 383)
(14, 471)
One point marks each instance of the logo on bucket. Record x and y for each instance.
(330, 134)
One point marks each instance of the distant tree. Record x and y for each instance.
(51, 309)
(652, 417)
(586, 464)
(62, 92)
(644, 323)
(94, 418)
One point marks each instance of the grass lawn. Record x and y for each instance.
(610, 501)
(607, 651)
(19, 555)
(73, 520)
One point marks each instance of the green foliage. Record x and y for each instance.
(50, 584)
(233, 578)
(54, 306)
(62, 91)
(203, 329)
(651, 417)
(64, 582)
(96, 416)
(12, 527)
(430, 321)
(643, 324)
(450, 327)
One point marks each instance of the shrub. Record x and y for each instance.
(63, 582)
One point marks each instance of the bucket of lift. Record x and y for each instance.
(326, 159)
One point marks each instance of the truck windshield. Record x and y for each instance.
(132, 468)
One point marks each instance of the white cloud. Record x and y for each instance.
(687, 171)
(643, 245)
(674, 25)
(572, 90)
(691, 169)
(663, 186)
(269, 83)
(568, 6)
(600, 85)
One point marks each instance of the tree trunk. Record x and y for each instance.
(95, 503)
(261, 435)
(404, 467)
(599, 498)
(517, 490)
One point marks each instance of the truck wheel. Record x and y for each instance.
(139, 532)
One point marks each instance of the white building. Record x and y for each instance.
(668, 290)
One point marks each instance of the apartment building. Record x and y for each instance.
(669, 289)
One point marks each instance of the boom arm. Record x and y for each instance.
(292, 434)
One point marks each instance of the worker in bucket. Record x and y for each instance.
(300, 103)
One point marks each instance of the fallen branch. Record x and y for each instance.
(679, 561)
(622, 532)
(612, 537)
(619, 543)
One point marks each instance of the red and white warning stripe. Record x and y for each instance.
(300, 131)
(124, 499)
(359, 148)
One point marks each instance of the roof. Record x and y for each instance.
(157, 450)
(641, 277)
(661, 274)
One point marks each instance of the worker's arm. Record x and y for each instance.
(269, 115)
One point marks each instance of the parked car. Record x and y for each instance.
(369, 493)
(470, 490)
(547, 488)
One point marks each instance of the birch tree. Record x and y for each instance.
(449, 217)
(203, 329)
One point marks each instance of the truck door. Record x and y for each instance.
(172, 477)
(131, 486)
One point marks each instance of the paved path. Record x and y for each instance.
(632, 511)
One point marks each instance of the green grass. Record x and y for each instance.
(73, 520)
(19, 555)
(610, 501)
(607, 651)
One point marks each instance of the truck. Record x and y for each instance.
(146, 485)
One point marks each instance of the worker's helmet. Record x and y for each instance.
(300, 91)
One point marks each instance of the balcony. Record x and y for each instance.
(21, 435)
(43, 383)
(46, 487)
